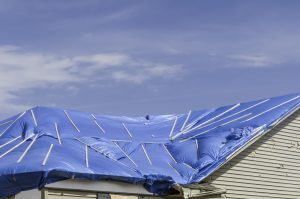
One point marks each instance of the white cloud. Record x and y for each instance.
(171, 50)
(249, 60)
(27, 70)
(150, 71)
(103, 59)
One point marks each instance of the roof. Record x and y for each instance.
(44, 145)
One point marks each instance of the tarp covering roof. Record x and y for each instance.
(44, 145)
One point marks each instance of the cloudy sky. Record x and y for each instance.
(146, 57)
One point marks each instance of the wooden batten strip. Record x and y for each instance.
(71, 121)
(47, 155)
(27, 149)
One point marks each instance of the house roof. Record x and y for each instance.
(44, 145)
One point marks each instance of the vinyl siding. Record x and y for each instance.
(117, 196)
(64, 194)
(269, 168)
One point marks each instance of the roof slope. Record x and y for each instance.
(44, 145)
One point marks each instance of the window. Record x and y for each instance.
(103, 196)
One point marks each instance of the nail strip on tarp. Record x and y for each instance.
(146, 154)
(212, 119)
(125, 154)
(186, 120)
(169, 153)
(57, 133)
(47, 155)
(173, 127)
(16, 146)
(71, 121)
(229, 122)
(33, 117)
(86, 156)
(13, 123)
(7, 122)
(272, 108)
(121, 140)
(126, 129)
(189, 166)
(207, 121)
(197, 148)
(115, 160)
(174, 169)
(27, 149)
(246, 109)
(97, 124)
(10, 141)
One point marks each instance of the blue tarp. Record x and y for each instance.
(44, 145)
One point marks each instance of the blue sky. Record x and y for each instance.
(146, 57)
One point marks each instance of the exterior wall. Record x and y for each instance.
(66, 194)
(114, 196)
(269, 168)
(31, 194)
(83, 189)
(99, 186)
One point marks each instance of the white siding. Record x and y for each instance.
(99, 186)
(31, 194)
(64, 194)
(115, 196)
(269, 168)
